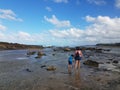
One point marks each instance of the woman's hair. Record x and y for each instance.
(77, 48)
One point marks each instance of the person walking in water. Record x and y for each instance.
(78, 56)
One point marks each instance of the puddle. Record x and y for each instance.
(111, 67)
(22, 58)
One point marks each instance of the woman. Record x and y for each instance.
(78, 57)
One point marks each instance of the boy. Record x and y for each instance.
(70, 60)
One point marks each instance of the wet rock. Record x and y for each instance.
(54, 50)
(51, 68)
(115, 61)
(53, 54)
(108, 62)
(107, 50)
(31, 53)
(67, 49)
(28, 70)
(110, 59)
(40, 54)
(43, 66)
(91, 63)
(98, 50)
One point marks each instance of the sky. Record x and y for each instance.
(60, 22)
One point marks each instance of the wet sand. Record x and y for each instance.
(20, 72)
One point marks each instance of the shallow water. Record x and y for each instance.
(21, 72)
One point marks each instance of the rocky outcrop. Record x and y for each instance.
(91, 63)
(51, 68)
(66, 49)
(40, 54)
(115, 61)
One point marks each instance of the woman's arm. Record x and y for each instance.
(81, 53)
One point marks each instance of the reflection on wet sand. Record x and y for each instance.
(77, 80)
(74, 80)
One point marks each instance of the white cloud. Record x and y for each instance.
(3, 27)
(117, 3)
(97, 2)
(56, 22)
(1, 35)
(19, 37)
(102, 29)
(24, 36)
(48, 9)
(60, 1)
(9, 15)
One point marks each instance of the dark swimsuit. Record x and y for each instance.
(78, 58)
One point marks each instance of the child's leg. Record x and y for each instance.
(69, 68)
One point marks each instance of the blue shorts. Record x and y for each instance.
(78, 58)
(70, 62)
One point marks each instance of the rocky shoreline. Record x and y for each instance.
(46, 69)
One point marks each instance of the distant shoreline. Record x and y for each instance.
(16, 46)
(109, 44)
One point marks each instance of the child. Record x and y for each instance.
(70, 60)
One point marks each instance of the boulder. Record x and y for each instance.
(40, 54)
(67, 49)
(31, 53)
(51, 68)
(43, 66)
(115, 61)
(91, 63)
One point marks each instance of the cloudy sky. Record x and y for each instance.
(60, 22)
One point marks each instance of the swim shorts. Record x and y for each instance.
(78, 58)
(70, 62)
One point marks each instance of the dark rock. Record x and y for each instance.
(43, 66)
(115, 61)
(110, 59)
(108, 62)
(31, 53)
(28, 70)
(53, 54)
(107, 50)
(91, 63)
(98, 50)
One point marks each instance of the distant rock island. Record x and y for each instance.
(15, 46)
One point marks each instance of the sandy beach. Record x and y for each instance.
(18, 71)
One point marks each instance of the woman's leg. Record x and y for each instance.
(76, 64)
